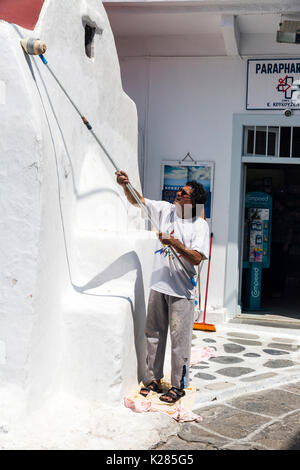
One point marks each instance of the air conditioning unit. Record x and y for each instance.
(289, 31)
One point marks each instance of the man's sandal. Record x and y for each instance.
(152, 387)
(172, 395)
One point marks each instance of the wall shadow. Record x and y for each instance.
(125, 263)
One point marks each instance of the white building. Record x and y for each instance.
(75, 264)
(188, 66)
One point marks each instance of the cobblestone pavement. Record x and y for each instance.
(266, 420)
(248, 395)
(245, 361)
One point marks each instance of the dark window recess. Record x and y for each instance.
(271, 143)
(260, 144)
(285, 142)
(281, 142)
(296, 142)
(89, 40)
(250, 142)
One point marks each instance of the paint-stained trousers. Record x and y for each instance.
(178, 313)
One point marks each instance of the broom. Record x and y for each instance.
(203, 325)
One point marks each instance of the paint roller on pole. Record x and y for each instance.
(34, 46)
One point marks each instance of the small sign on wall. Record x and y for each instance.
(175, 175)
(270, 83)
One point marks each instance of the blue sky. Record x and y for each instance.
(179, 175)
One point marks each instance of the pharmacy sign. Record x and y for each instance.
(272, 84)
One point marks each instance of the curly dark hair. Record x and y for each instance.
(199, 195)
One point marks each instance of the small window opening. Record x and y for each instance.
(89, 40)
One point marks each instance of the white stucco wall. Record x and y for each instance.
(186, 105)
(185, 66)
(75, 260)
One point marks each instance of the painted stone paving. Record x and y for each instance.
(243, 358)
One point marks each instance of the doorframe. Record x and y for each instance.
(233, 268)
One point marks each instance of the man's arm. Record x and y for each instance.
(192, 256)
(122, 180)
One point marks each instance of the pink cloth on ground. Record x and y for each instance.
(198, 354)
(178, 410)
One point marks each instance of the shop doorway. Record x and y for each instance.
(280, 280)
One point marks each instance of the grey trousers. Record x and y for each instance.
(178, 313)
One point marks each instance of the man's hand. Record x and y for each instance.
(122, 178)
(192, 256)
(165, 238)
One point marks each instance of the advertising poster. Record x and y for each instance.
(258, 222)
(175, 175)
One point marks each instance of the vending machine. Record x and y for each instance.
(257, 244)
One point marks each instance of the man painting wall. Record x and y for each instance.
(171, 299)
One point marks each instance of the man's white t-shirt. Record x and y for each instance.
(167, 275)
